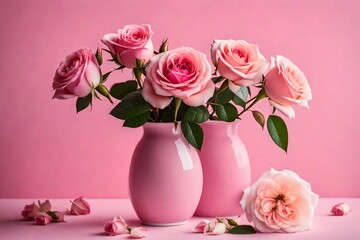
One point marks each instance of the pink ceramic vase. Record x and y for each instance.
(226, 170)
(165, 178)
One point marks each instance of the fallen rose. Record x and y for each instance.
(79, 207)
(138, 232)
(341, 209)
(116, 226)
(42, 218)
(280, 201)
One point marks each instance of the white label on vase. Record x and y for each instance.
(184, 154)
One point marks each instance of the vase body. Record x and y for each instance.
(165, 179)
(226, 170)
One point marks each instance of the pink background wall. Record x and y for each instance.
(47, 150)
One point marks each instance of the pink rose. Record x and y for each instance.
(45, 206)
(182, 73)
(116, 226)
(130, 43)
(138, 232)
(341, 209)
(42, 218)
(204, 226)
(238, 61)
(77, 75)
(280, 201)
(30, 211)
(79, 207)
(286, 86)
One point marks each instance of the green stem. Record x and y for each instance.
(138, 73)
(261, 95)
(177, 106)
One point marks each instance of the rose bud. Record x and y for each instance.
(203, 226)
(42, 218)
(138, 232)
(30, 211)
(219, 228)
(116, 226)
(79, 207)
(341, 209)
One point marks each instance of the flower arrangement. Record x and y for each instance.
(179, 86)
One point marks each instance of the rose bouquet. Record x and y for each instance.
(179, 86)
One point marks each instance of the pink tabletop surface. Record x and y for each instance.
(325, 226)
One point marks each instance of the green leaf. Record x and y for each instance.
(259, 117)
(226, 112)
(52, 215)
(193, 133)
(196, 114)
(82, 103)
(224, 96)
(239, 101)
(120, 90)
(278, 131)
(137, 121)
(242, 229)
(131, 106)
(105, 76)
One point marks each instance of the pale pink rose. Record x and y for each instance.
(238, 61)
(204, 226)
(280, 201)
(42, 218)
(130, 43)
(45, 206)
(116, 226)
(219, 228)
(286, 86)
(138, 232)
(341, 209)
(183, 73)
(77, 75)
(79, 207)
(30, 211)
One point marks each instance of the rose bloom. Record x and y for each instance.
(341, 209)
(130, 43)
(30, 211)
(286, 86)
(116, 226)
(138, 232)
(77, 75)
(280, 201)
(79, 207)
(183, 73)
(238, 61)
(42, 218)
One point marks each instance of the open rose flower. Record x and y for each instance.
(77, 75)
(238, 61)
(116, 226)
(341, 209)
(280, 201)
(79, 207)
(30, 211)
(130, 43)
(138, 232)
(286, 86)
(183, 73)
(42, 218)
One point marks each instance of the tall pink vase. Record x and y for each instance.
(165, 180)
(226, 170)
